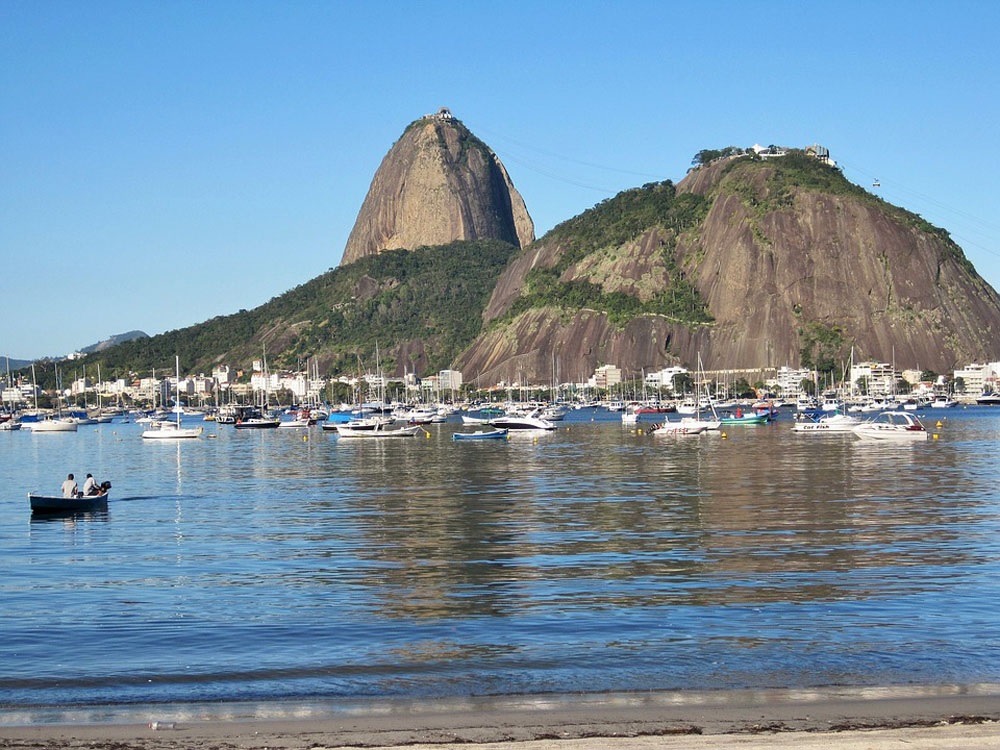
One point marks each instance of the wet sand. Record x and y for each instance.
(932, 718)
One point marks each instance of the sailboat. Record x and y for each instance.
(57, 423)
(165, 430)
(257, 418)
(692, 425)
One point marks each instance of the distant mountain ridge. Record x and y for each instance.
(111, 341)
(118, 338)
(16, 364)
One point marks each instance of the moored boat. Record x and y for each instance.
(257, 423)
(381, 429)
(55, 424)
(480, 435)
(742, 419)
(943, 401)
(692, 427)
(830, 423)
(892, 426)
(170, 431)
(166, 430)
(530, 421)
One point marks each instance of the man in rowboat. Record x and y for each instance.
(90, 486)
(69, 487)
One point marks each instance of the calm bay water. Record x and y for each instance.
(263, 567)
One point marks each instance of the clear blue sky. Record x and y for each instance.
(162, 163)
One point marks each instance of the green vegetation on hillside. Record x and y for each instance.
(435, 295)
(612, 223)
(822, 346)
(798, 170)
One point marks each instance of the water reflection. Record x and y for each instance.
(424, 564)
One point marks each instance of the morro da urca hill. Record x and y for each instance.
(749, 262)
(438, 184)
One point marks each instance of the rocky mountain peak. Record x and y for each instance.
(439, 183)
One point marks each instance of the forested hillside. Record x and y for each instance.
(420, 308)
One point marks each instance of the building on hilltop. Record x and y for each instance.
(821, 153)
(442, 114)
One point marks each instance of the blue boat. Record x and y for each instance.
(481, 435)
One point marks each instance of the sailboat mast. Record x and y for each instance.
(177, 405)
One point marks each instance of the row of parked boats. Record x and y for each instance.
(378, 421)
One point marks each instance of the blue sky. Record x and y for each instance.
(162, 163)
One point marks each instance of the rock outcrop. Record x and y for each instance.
(438, 184)
(789, 262)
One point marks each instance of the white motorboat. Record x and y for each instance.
(831, 423)
(554, 412)
(942, 401)
(531, 421)
(682, 427)
(378, 428)
(898, 426)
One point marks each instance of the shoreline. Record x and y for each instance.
(930, 717)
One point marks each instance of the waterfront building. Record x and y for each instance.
(664, 378)
(790, 379)
(607, 376)
(978, 378)
(880, 377)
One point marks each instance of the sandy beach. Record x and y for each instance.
(933, 718)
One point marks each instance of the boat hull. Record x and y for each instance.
(257, 424)
(377, 434)
(836, 423)
(891, 426)
(55, 504)
(679, 428)
(481, 435)
(522, 423)
(53, 425)
(746, 419)
(172, 433)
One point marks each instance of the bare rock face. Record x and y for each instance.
(773, 260)
(784, 253)
(438, 183)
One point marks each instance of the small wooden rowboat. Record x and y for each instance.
(58, 504)
(480, 435)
